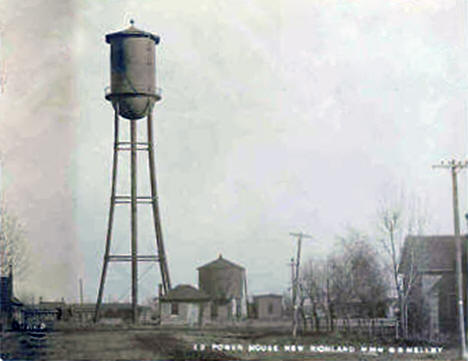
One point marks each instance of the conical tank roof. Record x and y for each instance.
(132, 31)
(221, 263)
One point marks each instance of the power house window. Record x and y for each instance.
(270, 308)
(174, 308)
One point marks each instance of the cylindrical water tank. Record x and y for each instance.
(133, 72)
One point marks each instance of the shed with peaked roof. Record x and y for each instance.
(185, 305)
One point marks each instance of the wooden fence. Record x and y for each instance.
(367, 326)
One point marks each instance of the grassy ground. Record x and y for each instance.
(147, 343)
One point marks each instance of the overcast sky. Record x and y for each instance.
(277, 116)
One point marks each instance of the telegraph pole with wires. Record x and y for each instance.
(295, 286)
(455, 166)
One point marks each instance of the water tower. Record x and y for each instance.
(133, 94)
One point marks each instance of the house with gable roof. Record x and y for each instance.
(427, 269)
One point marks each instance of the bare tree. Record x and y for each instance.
(351, 273)
(340, 285)
(314, 282)
(397, 216)
(327, 283)
(13, 246)
(287, 303)
(360, 274)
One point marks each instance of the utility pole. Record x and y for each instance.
(81, 291)
(454, 167)
(295, 285)
(293, 289)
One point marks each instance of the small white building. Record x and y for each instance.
(268, 307)
(185, 305)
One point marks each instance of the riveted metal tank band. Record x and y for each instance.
(113, 97)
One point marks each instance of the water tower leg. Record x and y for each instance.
(156, 215)
(134, 223)
(111, 211)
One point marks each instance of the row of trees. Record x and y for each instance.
(13, 245)
(361, 274)
(348, 283)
